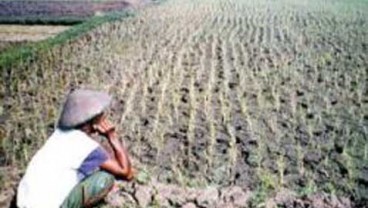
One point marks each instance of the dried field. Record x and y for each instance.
(266, 95)
(16, 33)
(11, 35)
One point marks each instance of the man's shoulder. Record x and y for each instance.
(73, 139)
(70, 133)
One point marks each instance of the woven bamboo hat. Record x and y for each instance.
(82, 105)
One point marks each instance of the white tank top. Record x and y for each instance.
(53, 171)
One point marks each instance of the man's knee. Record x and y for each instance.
(100, 184)
(104, 179)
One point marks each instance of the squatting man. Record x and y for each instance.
(72, 169)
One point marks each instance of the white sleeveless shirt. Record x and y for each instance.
(56, 169)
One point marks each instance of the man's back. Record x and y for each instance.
(54, 170)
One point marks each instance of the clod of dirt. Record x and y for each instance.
(6, 198)
(208, 198)
(325, 201)
(235, 195)
(288, 199)
(143, 195)
(312, 158)
(169, 195)
(189, 205)
(117, 199)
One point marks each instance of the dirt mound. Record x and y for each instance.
(157, 194)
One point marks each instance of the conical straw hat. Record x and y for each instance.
(82, 105)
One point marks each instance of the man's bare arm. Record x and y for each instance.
(120, 164)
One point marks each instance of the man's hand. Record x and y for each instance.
(119, 165)
(131, 174)
(104, 127)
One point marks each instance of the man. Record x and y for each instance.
(72, 169)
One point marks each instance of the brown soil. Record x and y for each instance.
(157, 194)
